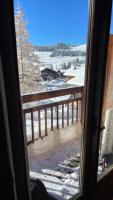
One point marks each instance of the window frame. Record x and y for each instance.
(96, 55)
(13, 100)
(95, 81)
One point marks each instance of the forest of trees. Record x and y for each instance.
(67, 53)
(59, 46)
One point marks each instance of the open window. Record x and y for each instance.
(52, 81)
(91, 95)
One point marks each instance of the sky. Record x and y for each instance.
(54, 21)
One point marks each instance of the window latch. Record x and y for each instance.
(102, 128)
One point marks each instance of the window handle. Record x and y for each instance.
(102, 128)
(97, 127)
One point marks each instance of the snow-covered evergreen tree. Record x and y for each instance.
(78, 62)
(28, 61)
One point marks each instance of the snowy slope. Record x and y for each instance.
(56, 62)
(79, 48)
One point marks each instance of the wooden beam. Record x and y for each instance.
(26, 98)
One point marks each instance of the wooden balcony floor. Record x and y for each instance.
(55, 140)
(48, 159)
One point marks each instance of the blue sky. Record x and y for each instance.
(53, 21)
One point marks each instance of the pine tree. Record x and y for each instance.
(28, 61)
(78, 62)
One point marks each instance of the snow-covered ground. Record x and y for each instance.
(56, 62)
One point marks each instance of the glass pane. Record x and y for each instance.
(106, 139)
(51, 48)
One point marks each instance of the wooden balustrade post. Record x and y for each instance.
(67, 114)
(57, 117)
(52, 118)
(62, 115)
(39, 124)
(72, 112)
(77, 111)
(32, 126)
(46, 122)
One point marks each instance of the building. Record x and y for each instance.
(78, 78)
(49, 74)
(69, 73)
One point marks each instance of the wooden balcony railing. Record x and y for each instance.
(67, 109)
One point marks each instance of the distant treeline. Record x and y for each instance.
(67, 53)
(59, 46)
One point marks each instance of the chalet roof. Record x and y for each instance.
(49, 70)
(70, 72)
(79, 77)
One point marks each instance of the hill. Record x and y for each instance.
(61, 56)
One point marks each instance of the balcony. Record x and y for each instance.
(47, 112)
(53, 129)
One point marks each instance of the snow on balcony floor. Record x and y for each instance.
(55, 160)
